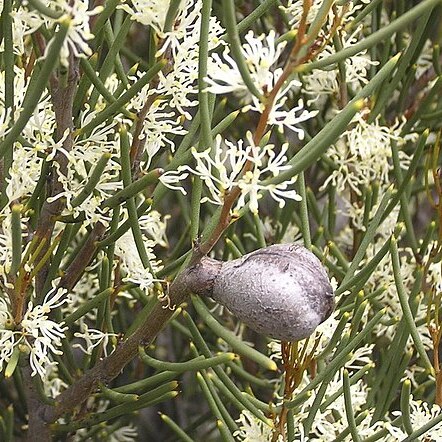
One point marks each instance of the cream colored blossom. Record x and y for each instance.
(37, 334)
(421, 413)
(363, 154)
(222, 171)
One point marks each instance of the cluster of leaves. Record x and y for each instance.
(138, 136)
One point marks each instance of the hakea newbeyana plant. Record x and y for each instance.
(206, 168)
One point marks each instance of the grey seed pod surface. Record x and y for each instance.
(282, 291)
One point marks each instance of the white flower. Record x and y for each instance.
(36, 333)
(289, 118)
(327, 427)
(92, 338)
(52, 383)
(131, 263)
(221, 171)
(127, 433)
(24, 171)
(149, 12)
(7, 341)
(85, 289)
(38, 133)
(78, 14)
(181, 44)
(420, 414)
(25, 22)
(332, 421)
(5, 117)
(79, 30)
(5, 243)
(261, 54)
(363, 154)
(179, 83)
(155, 227)
(252, 429)
(323, 82)
(42, 335)
(158, 126)
(82, 158)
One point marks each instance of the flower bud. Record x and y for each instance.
(282, 291)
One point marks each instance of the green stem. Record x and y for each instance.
(406, 307)
(238, 345)
(175, 428)
(236, 47)
(405, 406)
(196, 364)
(93, 180)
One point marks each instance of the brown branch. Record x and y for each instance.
(62, 93)
(62, 100)
(83, 259)
(39, 431)
(138, 143)
(193, 279)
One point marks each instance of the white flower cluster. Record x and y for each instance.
(84, 155)
(52, 383)
(159, 125)
(174, 94)
(27, 20)
(151, 12)
(36, 334)
(183, 42)
(328, 422)
(222, 170)
(92, 338)
(382, 277)
(5, 245)
(332, 420)
(261, 54)
(252, 429)
(79, 30)
(153, 232)
(39, 147)
(420, 414)
(363, 154)
(38, 133)
(321, 83)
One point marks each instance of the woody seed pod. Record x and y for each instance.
(282, 291)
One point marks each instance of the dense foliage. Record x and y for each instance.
(139, 137)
